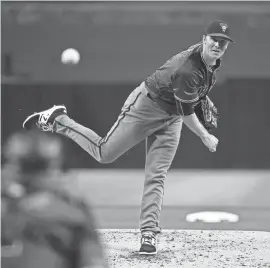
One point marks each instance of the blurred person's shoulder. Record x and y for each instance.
(55, 203)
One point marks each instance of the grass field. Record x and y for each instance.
(115, 196)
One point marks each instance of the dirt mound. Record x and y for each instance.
(190, 248)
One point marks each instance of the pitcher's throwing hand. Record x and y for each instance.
(211, 142)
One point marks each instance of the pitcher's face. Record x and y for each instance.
(215, 47)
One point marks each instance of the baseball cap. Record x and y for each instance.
(218, 28)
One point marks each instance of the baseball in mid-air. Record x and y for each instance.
(70, 56)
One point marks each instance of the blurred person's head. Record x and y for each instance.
(216, 40)
(32, 155)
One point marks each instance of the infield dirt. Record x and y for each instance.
(190, 248)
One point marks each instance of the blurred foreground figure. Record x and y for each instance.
(43, 225)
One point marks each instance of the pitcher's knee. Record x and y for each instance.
(107, 158)
(104, 160)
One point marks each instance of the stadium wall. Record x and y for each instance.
(244, 128)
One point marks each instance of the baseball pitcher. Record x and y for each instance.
(176, 92)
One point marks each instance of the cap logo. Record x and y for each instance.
(223, 27)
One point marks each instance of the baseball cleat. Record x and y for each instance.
(44, 119)
(148, 244)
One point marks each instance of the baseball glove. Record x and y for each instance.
(207, 114)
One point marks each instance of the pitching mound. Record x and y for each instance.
(190, 248)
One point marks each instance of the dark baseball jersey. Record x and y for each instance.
(55, 228)
(182, 81)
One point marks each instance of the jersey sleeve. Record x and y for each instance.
(185, 87)
(185, 108)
